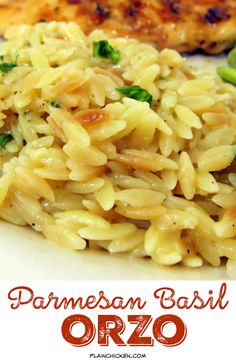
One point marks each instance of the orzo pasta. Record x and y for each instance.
(128, 149)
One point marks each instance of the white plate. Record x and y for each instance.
(25, 254)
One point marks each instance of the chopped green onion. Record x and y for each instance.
(55, 104)
(136, 92)
(227, 74)
(7, 67)
(5, 138)
(231, 58)
(102, 49)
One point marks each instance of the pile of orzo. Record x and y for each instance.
(108, 143)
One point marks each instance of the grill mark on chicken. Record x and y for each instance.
(184, 25)
(214, 15)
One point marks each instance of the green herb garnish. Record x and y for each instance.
(7, 67)
(5, 138)
(102, 49)
(55, 104)
(136, 92)
(227, 74)
(231, 58)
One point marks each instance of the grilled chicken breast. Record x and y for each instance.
(185, 25)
